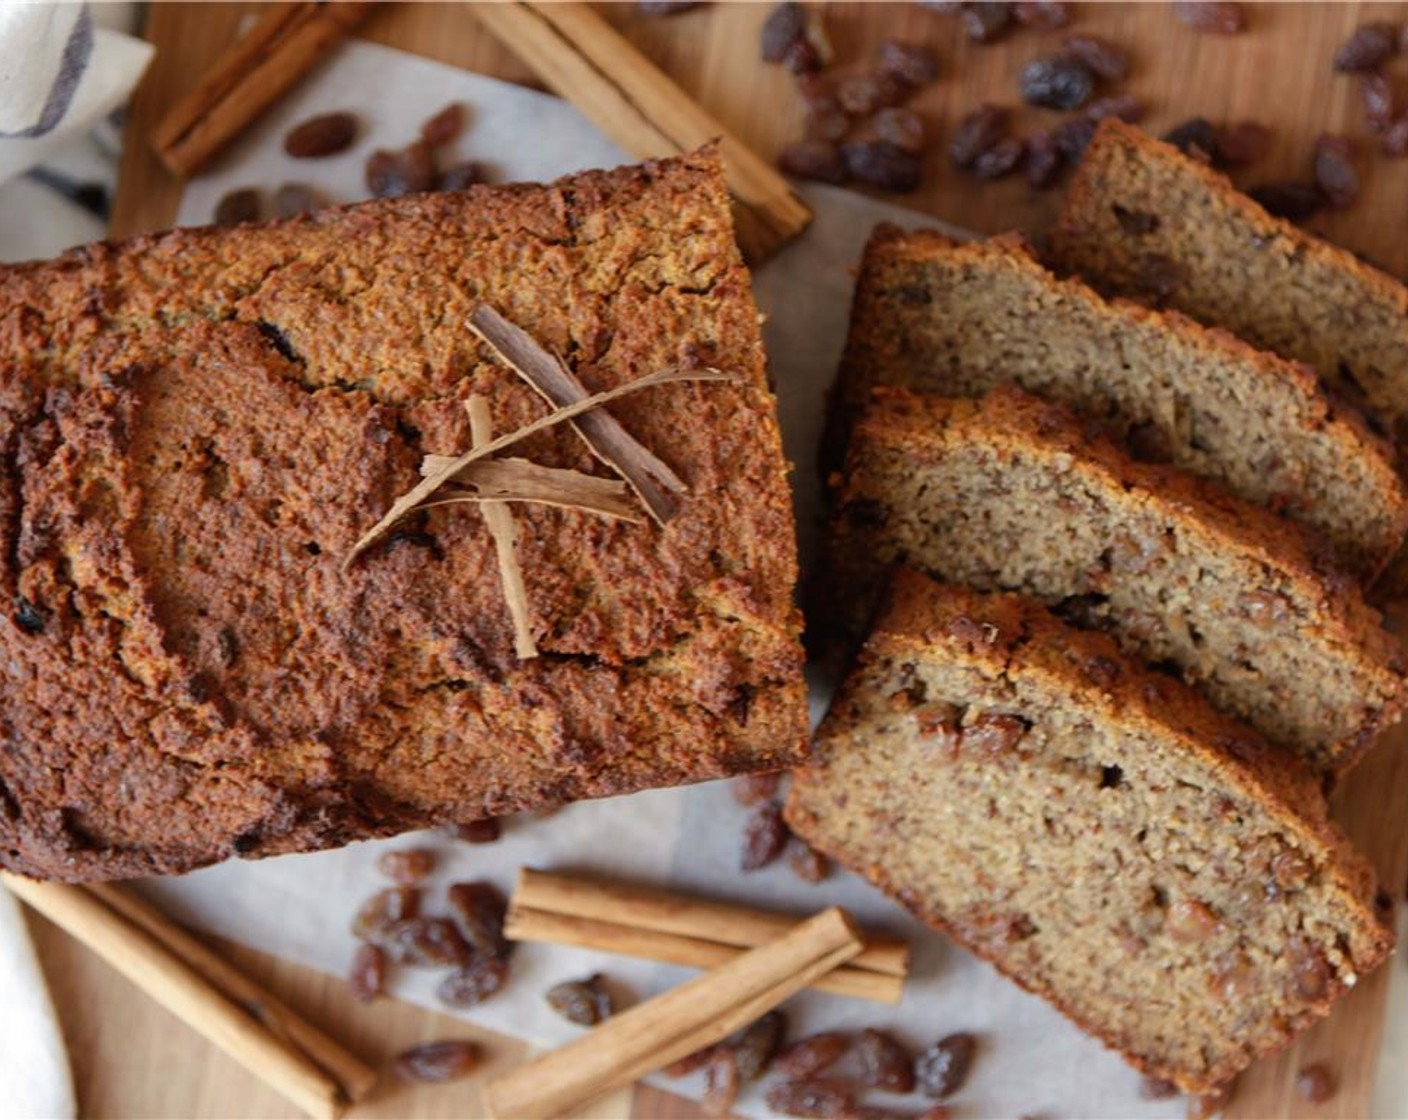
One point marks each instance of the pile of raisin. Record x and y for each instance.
(1366, 56)
(417, 167)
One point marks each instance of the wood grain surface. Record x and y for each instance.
(1278, 74)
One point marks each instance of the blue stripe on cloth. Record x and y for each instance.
(77, 53)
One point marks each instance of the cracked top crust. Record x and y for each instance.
(197, 426)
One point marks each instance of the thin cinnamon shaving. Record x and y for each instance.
(505, 534)
(603, 434)
(519, 480)
(447, 470)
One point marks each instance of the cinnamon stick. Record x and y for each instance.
(286, 42)
(687, 1018)
(182, 990)
(505, 533)
(603, 434)
(519, 480)
(582, 58)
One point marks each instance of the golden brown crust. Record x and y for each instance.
(199, 424)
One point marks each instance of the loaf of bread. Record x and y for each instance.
(1009, 493)
(1094, 830)
(1143, 219)
(959, 319)
(195, 428)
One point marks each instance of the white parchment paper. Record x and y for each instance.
(1032, 1061)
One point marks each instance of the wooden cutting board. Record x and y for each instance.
(1278, 73)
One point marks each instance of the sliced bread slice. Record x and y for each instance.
(1096, 831)
(1008, 492)
(1144, 219)
(960, 318)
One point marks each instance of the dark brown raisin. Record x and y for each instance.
(1334, 171)
(1242, 143)
(478, 910)
(885, 1063)
(1157, 1089)
(806, 862)
(1396, 139)
(484, 831)
(802, 57)
(367, 976)
(1001, 159)
(1106, 60)
(756, 1044)
(754, 789)
(584, 1002)
(426, 943)
(237, 207)
(880, 164)
(460, 175)
(1367, 49)
(987, 23)
(824, 1099)
(408, 867)
(1123, 106)
(1316, 1083)
(384, 910)
(293, 199)
(1196, 138)
(814, 159)
(976, 133)
(912, 62)
(408, 171)
(1073, 136)
(809, 1056)
(721, 1083)
(942, 1069)
(764, 837)
(444, 126)
(1376, 95)
(1217, 17)
(901, 127)
(1045, 15)
(865, 94)
(1043, 159)
(1057, 82)
(474, 983)
(785, 24)
(438, 1061)
(1310, 971)
(324, 135)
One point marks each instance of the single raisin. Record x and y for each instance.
(426, 943)
(1045, 15)
(1217, 17)
(460, 175)
(484, 831)
(438, 1061)
(885, 1063)
(474, 983)
(814, 159)
(994, 733)
(976, 133)
(942, 1069)
(367, 976)
(408, 171)
(1396, 139)
(237, 207)
(1122, 106)
(1043, 162)
(721, 1081)
(1157, 1089)
(806, 862)
(865, 94)
(754, 789)
(478, 910)
(384, 910)
(320, 136)
(30, 617)
(764, 837)
(1334, 171)
(911, 62)
(1367, 49)
(293, 199)
(785, 24)
(408, 867)
(1310, 971)
(1001, 159)
(901, 127)
(756, 1044)
(1105, 59)
(1376, 95)
(1316, 1083)
(1242, 143)
(987, 23)
(825, 1099)
(809, 1056)
(584, 1002)
(444, 126)
(1057, 82)
(1196, 138)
